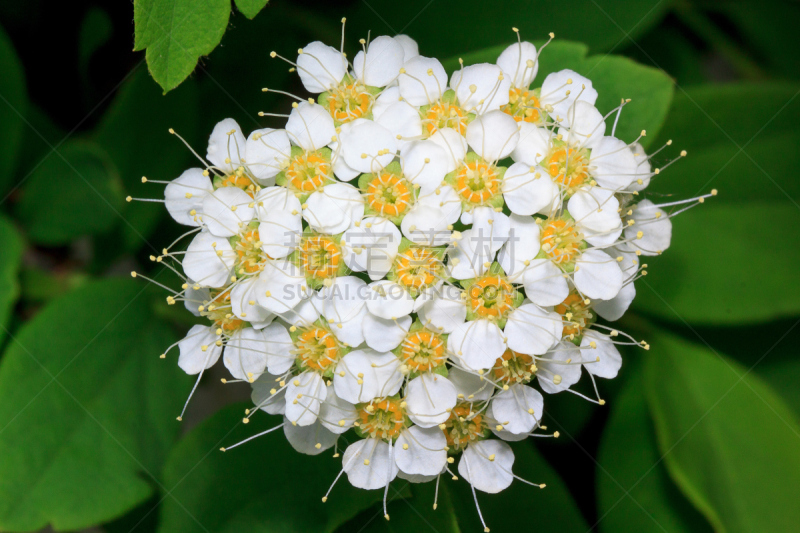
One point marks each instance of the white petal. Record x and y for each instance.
(354, 367)
(209, 260)
(527, 190)
(445, 312)
(310, 440)
(454, 144)
(478, 343)
(281, 223)
(227, 210)
(364, 140)
(534, 143)
(492, 227)
(544, 283)
(596, 213)
(198, 350)
(344, 299)
(603, 361)
(304, 313)
(334, 209)
(320, 67)
(310, 126)
(336, 414)
(614, 308)
(381, 64)
(387, 98)
(410, 47)
(519, 409)
(274, 404)
(643, 169)
(480, 88)
(556, 86)
(387, 373)
(403, 121)
(384, 335)
(185, 194)
(586, 125)
(426, 225)
(423, 81)
(597, 275)
(655, 226)
(372, 246)
(421, 451)
(522, 246)
(278, 345)
(226, 145)
(531, 330)
(380, 469)
(268, 151)
(430, 397)
(519, 63)
(486, 465)
(493, 135)
(470, 255)
(304, 394)
(613, 164)
(424, 164)
(194, 298)
(554, 373)
(281, 286)
(473, 387)
(245, 354)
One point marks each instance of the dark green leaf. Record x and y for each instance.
(250, 8)
(86, 409)
(635, 492)
(552, 508)
(719, 270)
(728, 440)
(614, 77)
(96, 30)
(75, 191)
(739, 150)
(444, 29)
(264, 486)
(12, 246)
(135, 133)
(13, 106)
(176, 33)
(414, 514)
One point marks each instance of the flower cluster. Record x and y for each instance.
(413, 257)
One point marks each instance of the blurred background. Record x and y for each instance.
(700, 433)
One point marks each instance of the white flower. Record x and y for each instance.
(366, 145)
(320, 67)
(209, 260)
(334, 209)
(486, 465)
(199, 349)
(343, 304)
(281, 286)
(560, 368)
(268, 153)
(265, 396)
(430, 398)
(519, 64)
(480, 88)
(227, 210)
(183, 196)
(410, 47)
(561, 90)
(310, 126)
(381, 63)
(519, 408)
(363, 375)
(370, 464)
(532, 330)
(600, 357)
(421, 451)
(312, 439)
(422, 81)
(245, 354)
(280, 221)
(651, 231)
(371, 246)
(493, 135)
(226, 146)
(304, 396)
(478, 343)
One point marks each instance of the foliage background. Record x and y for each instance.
(700, 433)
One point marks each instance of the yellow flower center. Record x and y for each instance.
(513, 367)
(389, 195)
(250, 257)
(491, 297)
(463, 427)
(382, 418)
(477, 182)
(418, 268)
(320, 256)
(561, 240)
(523, 105)
(568, 166)
(220, 312)
(307, 172)
(577, 314)
(241, 180)
(317, 348)
(422, 351)
(348, 102)
(445, 115)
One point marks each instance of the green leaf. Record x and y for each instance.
(718, 269)
(11, 244)
(135, 133)
(176, 33)
(444, 29)
(264, 486)
(13, 107)
(96, 30)
(87, 409)
(729, 442)
(75, 191)
(635, 492)
(742, 152)
(504, 511)
(250, 8)
(614, 77)
(411, 514)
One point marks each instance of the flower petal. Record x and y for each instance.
(486, 465)
(198, 349)
(430, 397)
(185, 194)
